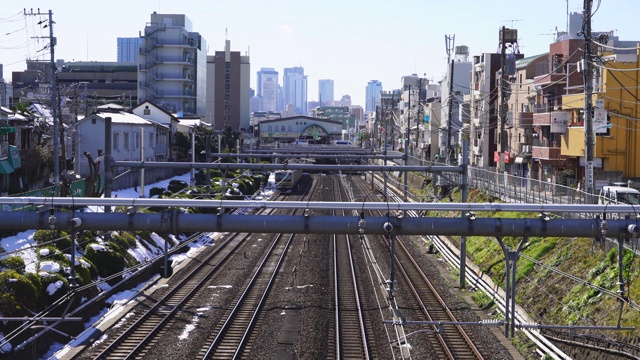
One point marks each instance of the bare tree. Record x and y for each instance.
(94, 181)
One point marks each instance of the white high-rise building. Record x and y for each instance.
(372, 96)
(172, 65)
(267, 88)
(295, 89)
(325, 92)
(128, 49)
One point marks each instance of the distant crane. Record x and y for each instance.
(554, 33)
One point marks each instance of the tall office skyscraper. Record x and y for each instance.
(295, 89)
(128, 49)
(268, 89)
(172, 71)
(325, 92)
(372, 97)
(230, 94)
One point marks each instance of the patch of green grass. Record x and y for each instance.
(536, 249)
(483, 300)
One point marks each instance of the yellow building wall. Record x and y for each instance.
(620, 149)
(573, 142)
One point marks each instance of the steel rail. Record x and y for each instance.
(351, 336)
(234, 331)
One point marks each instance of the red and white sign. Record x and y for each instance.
(496, 157)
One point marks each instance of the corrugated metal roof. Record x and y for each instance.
(522, 63)
(124, 118)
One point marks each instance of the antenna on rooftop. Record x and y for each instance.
(449, 41)
(512, 21)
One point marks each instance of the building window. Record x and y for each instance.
(269, 129)
(116, 142)
(290, 128)
(137, 141)
(151, 140)
(282, 128)
(93, 121)
(520, 81)
(125, 141)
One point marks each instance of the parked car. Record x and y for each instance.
(619, 195)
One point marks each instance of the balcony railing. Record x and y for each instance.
(541, 108)
(525, 119)
(177, 42)
(546, 149)
(545, 143)
(152, 28)
(174, 93)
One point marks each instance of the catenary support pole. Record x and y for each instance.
(142, 160)
(208, 159)
(465, 191)
(108, 159)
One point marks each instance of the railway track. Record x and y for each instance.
(448, 340)
(544, 346)
(147, 327)
(143, 333)
(232, 336)
(350, 332)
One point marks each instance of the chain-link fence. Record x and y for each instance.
(512, 188)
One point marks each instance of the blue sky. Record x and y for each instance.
(349, 41)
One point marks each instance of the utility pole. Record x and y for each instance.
(54, 94)
(449, 114)
(406, 146)
(503, 96)
(588, 90)
(449, 42)
(418, 117)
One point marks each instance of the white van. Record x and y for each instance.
(619, 195)
(344, 143)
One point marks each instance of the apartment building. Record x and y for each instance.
(172, 65)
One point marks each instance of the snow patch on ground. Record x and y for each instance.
(49, 266)
(194, 322)
(53, 287)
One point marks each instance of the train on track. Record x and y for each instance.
(287, 179)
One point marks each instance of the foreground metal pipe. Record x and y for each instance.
(174, 222)
(326, 205)
(272, 167)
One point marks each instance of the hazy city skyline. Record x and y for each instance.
(348, 42)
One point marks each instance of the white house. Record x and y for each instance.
(133, 138)
(152, 112)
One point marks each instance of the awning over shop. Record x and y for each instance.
(5, 167)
